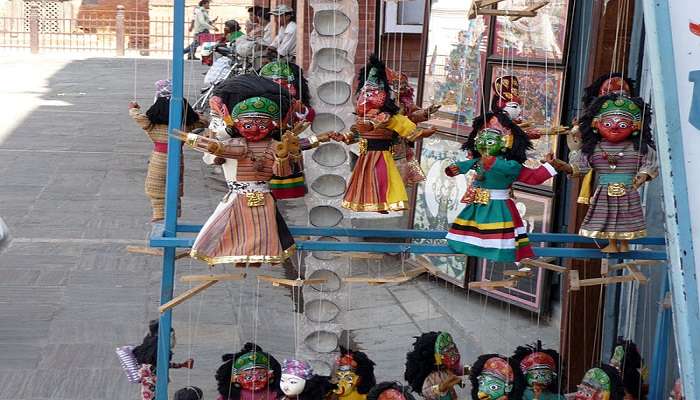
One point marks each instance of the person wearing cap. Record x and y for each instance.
(286, 41)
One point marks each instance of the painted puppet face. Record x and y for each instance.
(539, 379)
(586, 392)
(614, 85)
(370, 98)
(391, 394)
(292, 385)
(514, 111)
(489, 142)
(254, 128)
(594, 386)
(447, 353)
(615, 128)
(254, 379)
(347, 381)
(491, 387)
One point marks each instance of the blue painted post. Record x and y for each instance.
(172, 199)
(659, 357)
(686, 312)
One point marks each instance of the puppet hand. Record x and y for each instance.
(448, 383)
(133, 104)
(639, 180)
(558, 164)
(452, 170)
(337, 136)
(281, 149)
(428, 132)
(433, 109)
(326, 136)
(189, 363)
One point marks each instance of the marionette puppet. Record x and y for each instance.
(677, 391)
(289, 76)
(602, 383)
(298, 382)
(155, 124)
(490, 225)
(541, 370)
(433, 367)
(376, 184)
(493, 377)
(404, 150)
(390, 391)
(146, 355)
(619, 151)
(353, 375)
(250, 374)
(628, 362)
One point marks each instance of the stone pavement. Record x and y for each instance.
(72, 166)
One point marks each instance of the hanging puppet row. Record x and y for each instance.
(433, 371)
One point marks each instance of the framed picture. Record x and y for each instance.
(535, 211)
(540, 90)
(455, 60)
(541, 38)
(438, 199)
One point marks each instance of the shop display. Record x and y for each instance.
(433, 367)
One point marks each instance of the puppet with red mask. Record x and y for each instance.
(376, 184)
(619, 151)
(250, 374)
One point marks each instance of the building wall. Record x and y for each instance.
(402, 51)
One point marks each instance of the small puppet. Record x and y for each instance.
(494, 377)
(146, 355)
(677, 391)
(298, 382)
(353, 375)
(433, 367)
(246, 227)
(602, 383)
(541, 370)
(390, 391)
(250, 374)
(290, 77)
(490, 225)
(628, 362)
(155, 123)
(376, 184)
(619, 150)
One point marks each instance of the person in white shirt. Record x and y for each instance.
(200, 24)
(285, 44)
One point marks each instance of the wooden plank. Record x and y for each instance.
(504, 13)
(544, 265)
(606, 280)
(638, 263)
(517, 274)
(534, 7)
(290, 282)
(153, 251)
(637, 274)
(508, 283)
(208, 278)
(485, 3)
(399, 278)
(574, 281)
(186, 295)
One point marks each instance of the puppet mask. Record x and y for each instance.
(251, 371)
(618, 119)
(514, 111)
(490, 142)
(255, 118)
(281, 73)
(539, 369)
(617, 357)
(295, 373)
(391, 394)
(447, 354)
(372, 95)
(496, 379)
(594, 386)
(347, 381)
(614, 85)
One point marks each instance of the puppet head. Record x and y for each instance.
(295, 373)
(447, 353)
(147, 351)
(432, 351)
(354, 373)
(390, 391)
(600, 384)
(256, 118)
(606, 84)
(616, 118)
(373, 89)
(289, 76)
(677, 391)
(628, 362)
(247, 370)
(540, 367)
(496, 134)
(506, 97)
(494, 377)
(401, 90)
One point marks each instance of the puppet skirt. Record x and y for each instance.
(155, 183)
(376, 184)
(246, 227)
(493, 231)
(614, 217)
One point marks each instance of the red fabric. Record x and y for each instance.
(210, 37)
(534, 176)
(382, 179)
(289, 193)
(524, 251)
(160, 147)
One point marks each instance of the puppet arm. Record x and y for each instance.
(461, 167)
(536, 176)
(231, 148)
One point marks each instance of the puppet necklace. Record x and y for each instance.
(612, 159)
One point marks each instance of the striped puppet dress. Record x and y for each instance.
(490, 226)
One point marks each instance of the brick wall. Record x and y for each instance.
(402, 51)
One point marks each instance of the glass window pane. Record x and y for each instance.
(410, 12)
(540, 37)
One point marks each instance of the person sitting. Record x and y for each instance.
(232, 30)
(285, 44)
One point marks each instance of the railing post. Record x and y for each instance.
(120, 30)
(34, 27)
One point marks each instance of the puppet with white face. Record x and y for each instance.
(298, 382)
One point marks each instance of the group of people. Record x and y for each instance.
(258, 30)
(433, 371)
